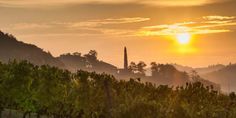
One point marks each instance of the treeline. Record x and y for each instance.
(88, 62)
(53, 92)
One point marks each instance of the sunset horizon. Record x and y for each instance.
(149, 29)
(117, 59)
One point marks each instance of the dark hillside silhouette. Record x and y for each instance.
(11, 49)
(73, 61)
(88, 62)
(168, 74)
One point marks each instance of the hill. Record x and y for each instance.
(226, 77)
(88, 62)
(200, 71)
(11, 48)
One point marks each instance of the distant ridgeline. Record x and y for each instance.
(88, 62)
(225, 76)
(11, 49)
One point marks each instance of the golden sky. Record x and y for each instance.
(152, 30)
(147, 2)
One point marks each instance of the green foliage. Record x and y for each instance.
(59, 93)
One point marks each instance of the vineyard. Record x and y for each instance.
(42, 91)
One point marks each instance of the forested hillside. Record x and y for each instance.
(11, 48)
(88, 62)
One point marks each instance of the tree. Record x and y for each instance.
(140, 68)
(58, 93)
(77, 54)
(194, 75)
(91, 56)
(132, 67)
(232, 96)
(154, 68)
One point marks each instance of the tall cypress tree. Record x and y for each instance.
(125, 59)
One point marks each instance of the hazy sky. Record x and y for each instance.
(147, 27)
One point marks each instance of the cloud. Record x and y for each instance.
(98, 26)
(21, 26)
(218, 22)
(209, 25)
(216, 25)
(219, 17)
(180, 2)
(166, 25)
(110, 21)
(178, 30)
(173, 30)
(147, 2)
(81, 24)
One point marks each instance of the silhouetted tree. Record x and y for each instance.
(140, 68)
(91, 56)
(154, 68)
(77, 54)
(132, 67)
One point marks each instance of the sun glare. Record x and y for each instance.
(183, 38)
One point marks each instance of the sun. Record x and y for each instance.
(183, 38)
